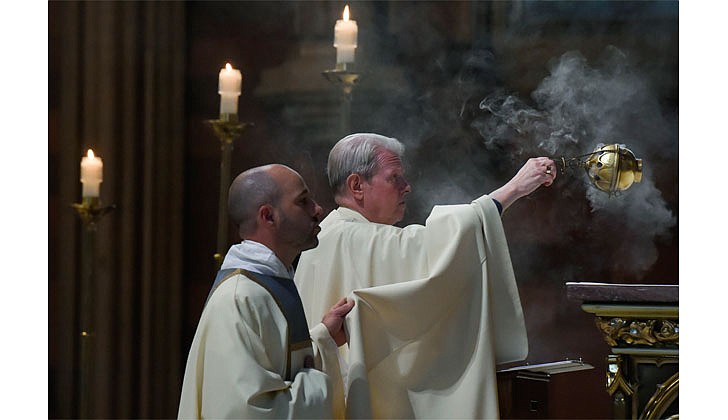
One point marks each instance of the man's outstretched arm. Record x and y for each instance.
(533, 174)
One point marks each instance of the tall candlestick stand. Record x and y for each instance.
(227, 128)
(346, 80)
(90, 211)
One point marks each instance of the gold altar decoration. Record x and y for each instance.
(618, 386)
(666, 394)
(640, 323)
(633, 325)
(648, 332)
(611, 168)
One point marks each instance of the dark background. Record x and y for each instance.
(473, 89)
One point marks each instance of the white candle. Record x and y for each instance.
(230, 82)
(345, 38)
(92, 169)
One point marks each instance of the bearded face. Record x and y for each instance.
(298, 216)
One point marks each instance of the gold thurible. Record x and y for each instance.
(611, 168)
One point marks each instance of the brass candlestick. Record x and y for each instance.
(227, 128)
(90, 211)
(345, 80)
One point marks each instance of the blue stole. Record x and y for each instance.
(286, 295)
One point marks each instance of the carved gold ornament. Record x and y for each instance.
(650, 332)
(666, 394)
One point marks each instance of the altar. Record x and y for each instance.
(640, 323)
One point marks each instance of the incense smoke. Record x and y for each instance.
(466, 135)
(575, 108)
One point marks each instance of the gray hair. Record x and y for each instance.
(357, 153)
(248, 191)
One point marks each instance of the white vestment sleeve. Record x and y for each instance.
(510, 342)
(326, 355)
(238, 358)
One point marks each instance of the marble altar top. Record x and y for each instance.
(616, 292)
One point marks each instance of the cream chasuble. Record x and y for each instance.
(239, 357)
(436, 308)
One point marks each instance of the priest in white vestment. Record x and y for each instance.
(436, 306)
(253, 355)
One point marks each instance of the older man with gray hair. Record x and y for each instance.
(437, 305)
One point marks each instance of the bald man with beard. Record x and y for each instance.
(253, 355)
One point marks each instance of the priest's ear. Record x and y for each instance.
(354, 185)
(266, 214)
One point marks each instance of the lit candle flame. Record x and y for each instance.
(346, 13)
(228, 67)
(90, 154)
